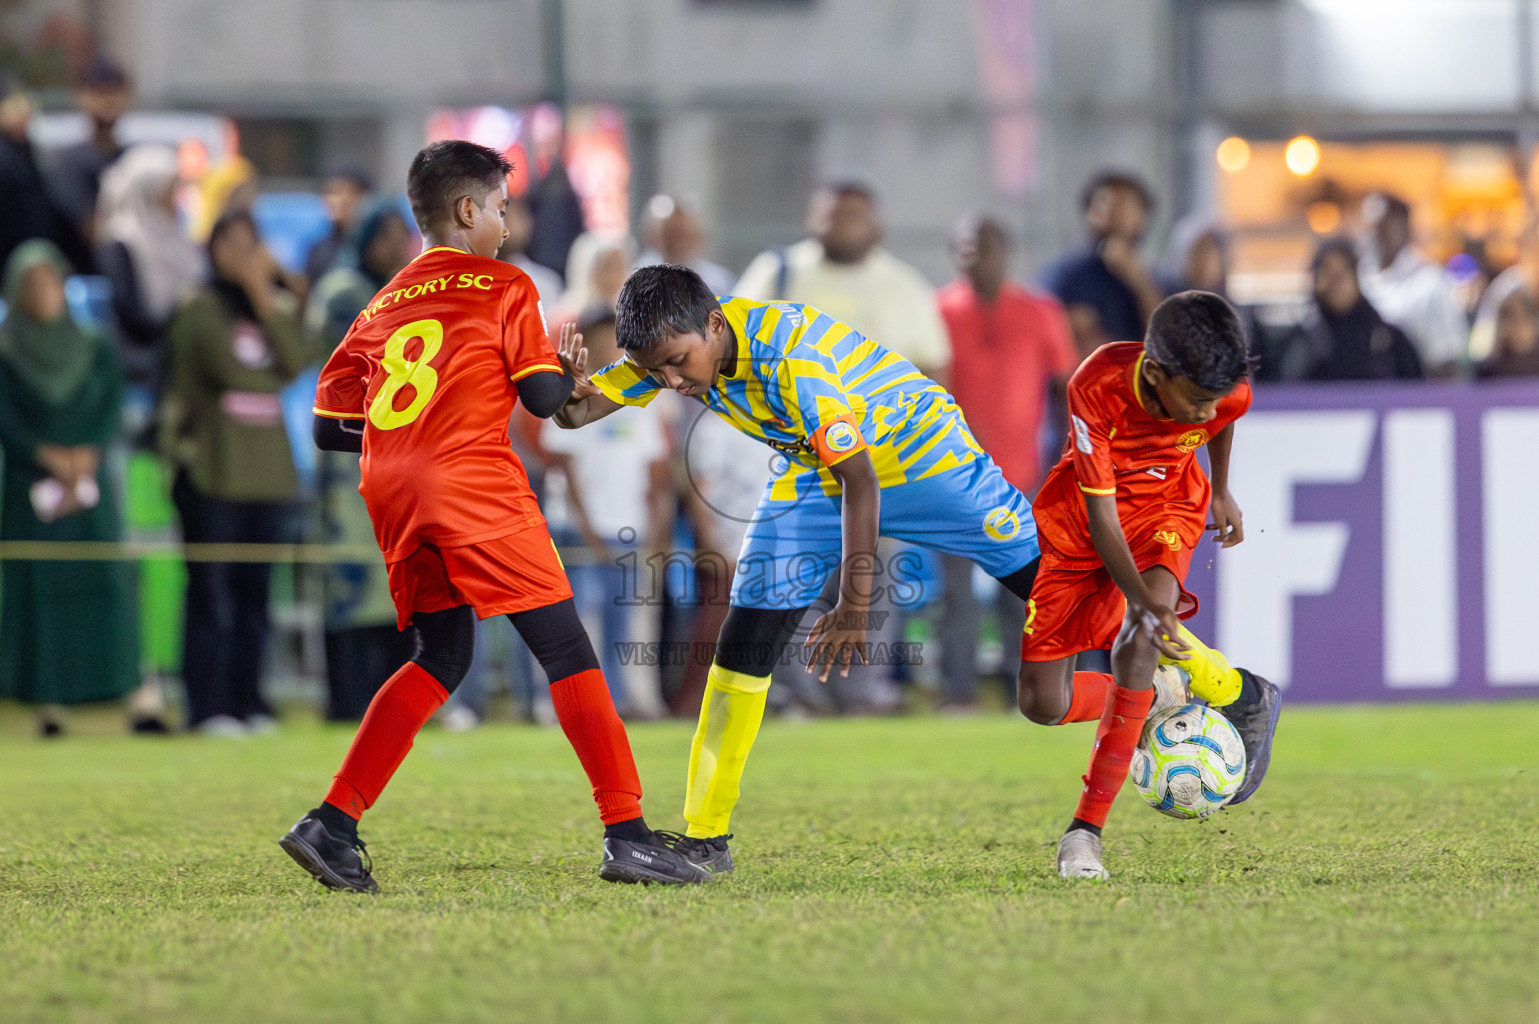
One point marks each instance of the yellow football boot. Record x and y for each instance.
(1208, 672)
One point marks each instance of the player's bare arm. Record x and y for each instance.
(1112, 545)
(839, 636)
(587, 402)
(1223, 512)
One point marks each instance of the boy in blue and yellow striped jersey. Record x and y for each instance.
(871, 446)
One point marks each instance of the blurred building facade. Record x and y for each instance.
(744, 104)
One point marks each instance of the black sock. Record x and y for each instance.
(337, 822)
(1082, 825)
(1250, 693)
(635, 830)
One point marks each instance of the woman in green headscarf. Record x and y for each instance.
(69, 627)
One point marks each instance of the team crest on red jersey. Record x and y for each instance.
(1170, 538)
(1192, 440)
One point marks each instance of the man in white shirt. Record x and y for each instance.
(844, 271)
(1408, 291)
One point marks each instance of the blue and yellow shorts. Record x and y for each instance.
(793, 546)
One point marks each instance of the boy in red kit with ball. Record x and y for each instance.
(1118, 519)
(423, 386)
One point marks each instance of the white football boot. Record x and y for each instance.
(1079, 855)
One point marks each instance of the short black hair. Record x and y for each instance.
(444, 171)
(1394, 206)
(853, 184)
(102, 72)
(1335, 245)
(1197, 335)
(659, 301)
(1115, 179)
(972, 223)
(353, 175)
(229, 221)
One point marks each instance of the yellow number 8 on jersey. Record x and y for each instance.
(402, 371)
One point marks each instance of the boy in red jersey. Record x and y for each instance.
(1118, 518)
(423, 386)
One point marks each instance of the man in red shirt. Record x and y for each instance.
(1009, 347)
(423, 386)
(1118, 519)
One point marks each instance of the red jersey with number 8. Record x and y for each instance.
(431, 367)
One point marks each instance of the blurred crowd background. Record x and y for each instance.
(198, 196)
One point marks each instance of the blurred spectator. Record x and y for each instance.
(1524, 274)
(673, 234)
(229, 186)
(27, 208)
(514, 250)
(234, 345)
(844, 271)
(70, 630)
(1008, 347)
(374, 252)
(553, 202)
(1342, 337)
(344, 193)
(150, 261)
(1198, 258)
(609, 495)
(1106, 289)
(1408, 291)
(1515, 352)
(103, 95)
(595, 272)
(363, 645)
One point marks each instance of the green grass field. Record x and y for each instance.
(888, 870)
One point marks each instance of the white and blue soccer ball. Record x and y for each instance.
(1189, 762)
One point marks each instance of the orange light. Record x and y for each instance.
(1323, 217)
(1233, 154)
(1302, 156)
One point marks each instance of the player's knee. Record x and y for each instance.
(1037, 706)
(555, 636)
(1134, 654)
(446, 641)
(752, 639)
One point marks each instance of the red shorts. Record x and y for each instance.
(1075, 608)
(512, 573)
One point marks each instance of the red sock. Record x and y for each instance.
(1087, 697)
(1115, 739)
(593, 727)
(396, 714)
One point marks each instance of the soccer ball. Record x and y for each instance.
(1189, 762)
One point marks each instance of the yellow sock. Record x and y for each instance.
(1212, 679)
(729, 720)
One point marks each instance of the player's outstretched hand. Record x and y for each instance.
(1227, 522)
(1164, 629)
(574, 360)
(836, 640)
